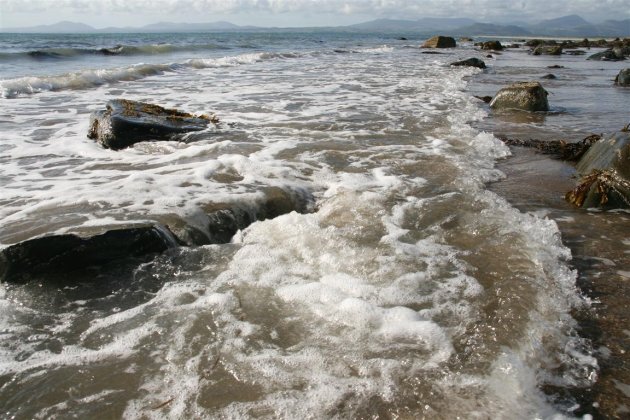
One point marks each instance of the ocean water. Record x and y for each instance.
(408, 290)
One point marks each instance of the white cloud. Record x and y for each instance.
(477, 9)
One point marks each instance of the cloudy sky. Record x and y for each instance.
(287, 13)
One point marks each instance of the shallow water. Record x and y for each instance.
(409, 290)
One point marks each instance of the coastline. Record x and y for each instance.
(598, 242)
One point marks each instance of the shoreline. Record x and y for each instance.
(537, 183)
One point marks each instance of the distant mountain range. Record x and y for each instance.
(566, 26)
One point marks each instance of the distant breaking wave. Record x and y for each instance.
(124, 50)
(87, 79)
(92, 78)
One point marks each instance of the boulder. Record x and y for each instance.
(470, 62)
(547, 50)
(124, 123)
(534, 42)
(623, 78)
(605, 171)
(440, 41)
(526, 96)
(608, 55)
(491, 45)
(549, 76)
(60, 254)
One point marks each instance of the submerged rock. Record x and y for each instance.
(559, 149)
(471, 62)
(440, 41)
(526, 96)
(62, 255)
(605, 171)
(547, 50)
(224, 220)
(56, 254)
(124, 123)
(549, 76)
(623, 78)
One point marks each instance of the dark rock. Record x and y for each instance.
(402, 38)
(526, 96)
(124, 123)
(575, 52)
(471, 62)
(534, 42)
(623, 78)
(605, 169)
(621, 52)
(440, 42)
(56, 254)
(465, 39)
(547, 50)
(514, 46)
(549, 76)
(431, 52)
(607, 55)
(225, 219)
(559, 149)
(491, 45)
(555, 66)
(489, 56)
(486, 99)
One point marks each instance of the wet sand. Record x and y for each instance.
(599, 241)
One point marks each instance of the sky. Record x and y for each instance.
(297, 13)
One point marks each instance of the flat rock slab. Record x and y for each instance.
(526, 96)
(64, 256)
(124, 123)
(56, 254)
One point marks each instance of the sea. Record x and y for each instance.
(413, 285)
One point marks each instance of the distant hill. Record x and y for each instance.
(60, 27)
(491, 29)
(420, 25)
(188, 27)
(566, 26)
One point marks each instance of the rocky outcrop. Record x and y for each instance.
(440, 41)
(526, 96)
(124, 123)
(470, 62)
(612, 54)
(65, 254)
(47, 255)
(623, 78)
(605, 171)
